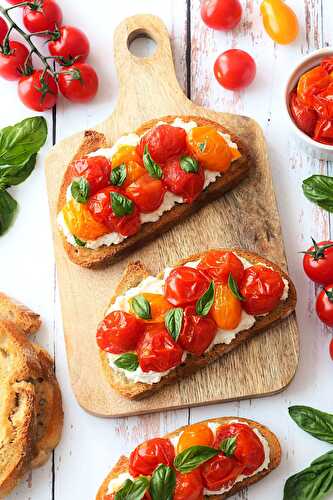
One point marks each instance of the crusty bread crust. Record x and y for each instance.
(133, 276)
(22, 316)
(275, 459)
(107, 255)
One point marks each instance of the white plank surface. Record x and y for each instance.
(90, 446)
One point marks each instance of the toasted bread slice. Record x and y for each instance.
(109, 254)
(275, 459)
(22, 316)
(136, 272)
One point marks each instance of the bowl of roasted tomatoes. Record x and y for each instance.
(309, 103)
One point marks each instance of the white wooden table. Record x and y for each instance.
(90, 446)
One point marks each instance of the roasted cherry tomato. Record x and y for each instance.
(81, 223)
(157, 351)
(235, 69)
(195, 435)
(226, 310)
(218, 264)
(69, 43)
(38, 91)
(262, 289)
(182, 183)
(158, 307)
(79, 82)
(304, 117)
(221, 14)
(311, 83)
(95, 169)
(3, 29)
(42, 15)
(324, 131)
(126, 154)
(148, 455)
(163, 142)
(147, 192)
(318, 262)
(249, 450)
(12, 62)
(280, 21)
(185, 285)
(331, 349)
(197, 333)
(220, 472)
(119, 332)
(188, 486)
(324, 306)
(209, 148)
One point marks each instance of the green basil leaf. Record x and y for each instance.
(315, 422)
(205, 302)
(128, 361)
(174, 321)
(118, 175)
(80, 190)
(319, 190)
(189, 164)
(79, 242)
(15, 174)
(153, 169)
(313, 483)
(19, 142)
(133, 490)
(228, 446)
(232, 283)
(163, 483)
(193, 457)
(8, 208)
(202, 146)
(141, 307)
(121, 205)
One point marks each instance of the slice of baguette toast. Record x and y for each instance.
(136, 272)
(106, 255)
(275, 459)
(22, 316)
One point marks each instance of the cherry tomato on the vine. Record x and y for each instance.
(69, 43)
(262, 289)
(163, 142)
(119, 332)
(331, 348)
(79, 82)
(148, 455)
(221, 14)
(189, 486)
(186, 184)
(318, 262)
(280, 21)
(95, 169)
(38, 91)
(42, 15)
(13, 62)
(14, 2)
(3, 29)
(185, 285)
(147, 192)
(235, 69)
(324, 305)
(157, 351)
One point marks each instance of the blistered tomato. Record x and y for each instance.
(185, 285)
(148, 455)
(280, 21)
(126, 154)
(119, 332)
(158, 307)
(147, 192)
(197, 333)
(81, 223)
(157, 351)
(226, 310)
(209, 148)
(181, 182)
(195, 435)
(262, 289)
(188, 486)
(218, 264)
(96, 170)
(304, 117)
(163, 142)
(311, 83)
(220, 472)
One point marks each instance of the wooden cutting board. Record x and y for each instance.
(247, 217)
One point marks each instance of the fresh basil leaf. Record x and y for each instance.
(319, 190)
(193, 457)
(189, 164)
(133, 490)
(232, 283)
(80, 190)
(163, 483)
(19, 142)
(228, 446)
(79, 242)
(317, 423)
(205, 302)
(121, 205)
(174, 321)
(118, 175)
(128, 361)
(153, 169)
(8, 208)
(15, 174)
(202, 146)
(141, 307)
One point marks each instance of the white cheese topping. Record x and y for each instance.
(116, 483)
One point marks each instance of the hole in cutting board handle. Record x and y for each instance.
(140, 43)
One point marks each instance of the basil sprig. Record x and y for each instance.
(189, 164)
(163, 483)
(319, 190)
(193, 457)
(205, 302)
(174, 322)
(8, 207)
(232, 283)
(133, 490)
(152, 168)
(121, 205)
(317, 423)
(118, 175)
(141, 307)
(80, 190)
(228, 446)
(128, 361)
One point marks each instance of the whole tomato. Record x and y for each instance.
(221, 14)
(13, 60)
(189, 486)
(96, 170)
(148, 455)
(38, 91)
(157, 351)
(69, 44)
(185, 285)
(304, 117)
(197, 333)
(235, 69)
(318, 262)
(280, 21)
(3, 29)
(42, 15)
(324, 306)
(147, 192)
(218, 264)
(119, 332)
(163, 142)
(189, 185)
(79, 82)
(262, 289)
(220, 472)
(331, 349)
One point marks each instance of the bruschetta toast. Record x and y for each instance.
(115, 199)
(157, 330)
(212, 459)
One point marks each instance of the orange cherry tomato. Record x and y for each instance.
(227, 309)
(133, 172)
(209, 148)
(81, 223)
(280, 21)
(158, 307)
(195, 435)
(126, 154)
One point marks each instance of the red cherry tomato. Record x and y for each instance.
(147, 192)
(43, 15)
(79, 82)
(70, 44)
(12, 64)
(221, 14)
(249, 449)
(38, 91)
(318, 262)
(96, 170)
(324, 306)
(119, 332)
(331, 349)
(148, 455)
(304, 117)
(235, 69)
(188, 486)
(157, 351)
(197, 333)
(14, 2)
(3, 29)
(163, 142)
(185, 285)
(262, 289)
(186, 184)
(218, 265)
(220, 472)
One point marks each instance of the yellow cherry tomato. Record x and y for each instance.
(124, 155)
(81, 223)
(158, 307)
(227, 309)
(209, 148)
(279, 20)
(195, 435)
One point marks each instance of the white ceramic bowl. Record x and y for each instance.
(311, 147)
